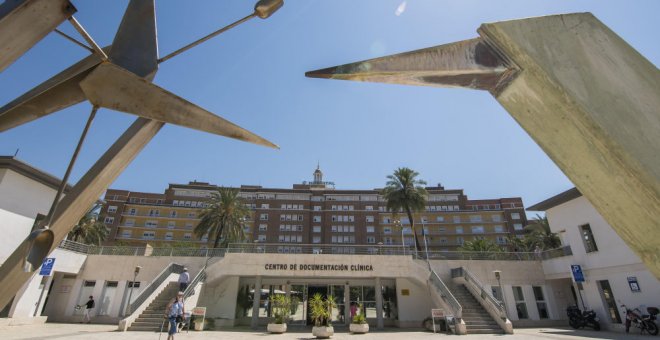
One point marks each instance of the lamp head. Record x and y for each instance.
(39, 243)
(265, 8)
(497, 273)
(137, 269)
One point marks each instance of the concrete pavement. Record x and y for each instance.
(103, 332)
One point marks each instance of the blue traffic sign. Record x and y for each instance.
(47, 266)
(578, 276)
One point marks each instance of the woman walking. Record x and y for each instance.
(174, 314)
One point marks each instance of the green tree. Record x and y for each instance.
(539, 234)
(484, 246)
(403, 191)
(223, 217)
(90, 230)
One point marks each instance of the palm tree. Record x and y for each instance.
(90, 230)
(540, 234)
(223, 217)
(484, 246)
(404, 191)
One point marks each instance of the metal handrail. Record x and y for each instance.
(446, 294)
(557, 252)
(299, 248)
(155, 283)
(483, 292)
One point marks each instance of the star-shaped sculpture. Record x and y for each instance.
(121, 82)
(117, 77)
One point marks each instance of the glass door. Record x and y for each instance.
(609, 301)
(298, 304)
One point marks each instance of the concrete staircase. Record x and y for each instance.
(477, 319)
(153, 316)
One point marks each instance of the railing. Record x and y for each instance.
(154, 284)
(554, 253)
(297, 248)
(479, 255)
(446, 295)
(485, 294)
(74, 246)
(140, 251)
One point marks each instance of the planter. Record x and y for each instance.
(199, 326)
(277, 328)
(323, 332)
(359, 328)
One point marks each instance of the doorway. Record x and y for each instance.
(608, 301)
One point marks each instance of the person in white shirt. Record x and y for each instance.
(184, 279)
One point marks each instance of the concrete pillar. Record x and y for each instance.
(379, 305)
(255, 303)
(347, 304)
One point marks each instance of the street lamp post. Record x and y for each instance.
(130, 294)
(498, 274)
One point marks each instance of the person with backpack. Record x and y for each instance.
(174, 314)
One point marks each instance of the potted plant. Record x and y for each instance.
(321, 313)
(359, 323)
(281, 309)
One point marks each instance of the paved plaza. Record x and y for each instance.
(101, 332)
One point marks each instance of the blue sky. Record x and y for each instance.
(253, 75)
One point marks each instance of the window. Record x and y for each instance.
(387, 220)
(460, 240)
(370, 219)
(263, 227)
(459, 229)
(501, 240)
(540, 302)
(171, 224)
(132, 211)
(265, 205)
(370, 229)
(371, 239)
(518, 226)
(168, 235)
(129, 222)
(457, 219)
(148, 235)
(588, 239)
(475, 218)
(439, 218)
(151, 224)
(191, 215)
(478, 229)
(316, 239)
(173, 213)
(109, 220)
(369, 207)
(442, 229)
(112, 209)
(496, 218)
(261, 238)
(521, 306)
(443, 240)
(515, 216)
(317, 208)
(316, 229)
(387, 230)
(154, 212)
(187, 236)
(499, 229)
(316, 219)
(126, 233)
(387, 240)
(263, 217)
(188, 225)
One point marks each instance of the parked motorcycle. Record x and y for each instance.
(646, 323)
(578, 319)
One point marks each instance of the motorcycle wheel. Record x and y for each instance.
(596, 325)
(651, 327)
(574, 323)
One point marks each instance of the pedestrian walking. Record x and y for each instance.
(89, 306)
(184, 279)
(174, 314)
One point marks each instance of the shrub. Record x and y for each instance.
(281, 308)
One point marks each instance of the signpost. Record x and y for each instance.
(578, 277)
(440, 314)
(47, 266)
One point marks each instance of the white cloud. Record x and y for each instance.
(400, 9)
